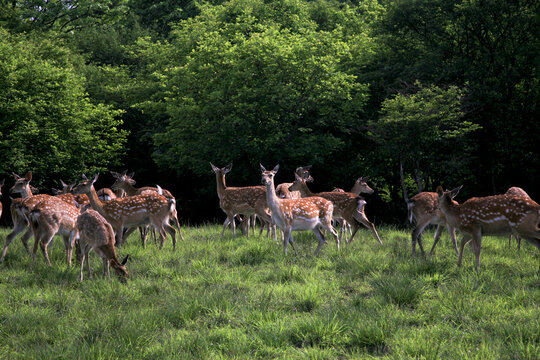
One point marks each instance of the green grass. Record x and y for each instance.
(238, 299)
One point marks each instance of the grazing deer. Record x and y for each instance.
(19, 208)
(125, 183)
(424, 209)
(97, 234)
(298, 214)
(347, 206)
(491, 215)
(53, 216)
(247, 200)
(131, 211)
(516, 191)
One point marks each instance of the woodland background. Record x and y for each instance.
(414, 93)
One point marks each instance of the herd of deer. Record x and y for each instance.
(95, 220)
(292, 206)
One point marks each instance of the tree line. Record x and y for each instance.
(414, 93)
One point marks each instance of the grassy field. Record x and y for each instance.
(240, 299)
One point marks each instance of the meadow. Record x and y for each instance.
(243, 299)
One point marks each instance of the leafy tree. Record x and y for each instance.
(416, 130)
(47, 123)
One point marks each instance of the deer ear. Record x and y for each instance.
(440, 191)
(115, 174)
(84, 177)
(227, 168)
(262, 168)
(131, 174)
(124, 172)
(123, 263)
(214, 167)
(454, 192)
(17, 177)
(364, 178)
(95, 178)
(276, 168)
(28, 176)
(55, 191)
(63, 183)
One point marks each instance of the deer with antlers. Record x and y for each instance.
(423, 208)
(95, 233)
(247, 200)
(347, 206)
(313, 213)
(149, 208)
(491, 215)
(125, 183)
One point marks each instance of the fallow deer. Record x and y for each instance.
(298, 214)
(53, 216)
(95, 233)
(491, 215)
(138, 210)
(347, 206)
(18, 210)
(516, 191)
(423, 208)
(124, 182)
(247, 200)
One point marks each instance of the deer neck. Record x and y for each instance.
(26, 192)
(95, 202)
(129, 189)
(304, 190)
(271, 197)
(450, 209)
(221, 186)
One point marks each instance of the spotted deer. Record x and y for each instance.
(360, 187)
(347, 206)
(19, 210)
(491, 215)
(124, 183)
(66, 194)
(247, 200)
(423, 208)
(516, 191)
(150, 208)
(95, 233)
(314, 213)
(49, 217)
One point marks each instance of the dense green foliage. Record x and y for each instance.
(446, 91)
(243, 299)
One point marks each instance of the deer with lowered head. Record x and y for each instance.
(313, 213)
(95, 233)
(491, 215)
(149, 208)
(516, 191)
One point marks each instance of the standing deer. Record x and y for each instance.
(247, 200)
(19, 208)
(424, 209)
(298, 214)
(95, 233)
(516, 191)
(347, 206)
(491, 215)
(131, 211)
(53, 216)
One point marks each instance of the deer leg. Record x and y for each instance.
(291, 241)
(436, 238)
(43, 245)
(465, 239)
(452, 233)
(416, 236)
(175, 220)
(319, 236)
(287, 234)
(171, 230)
(477, 247)
(518, 240)
(83, 258)
(19, 226)
(361, 217)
